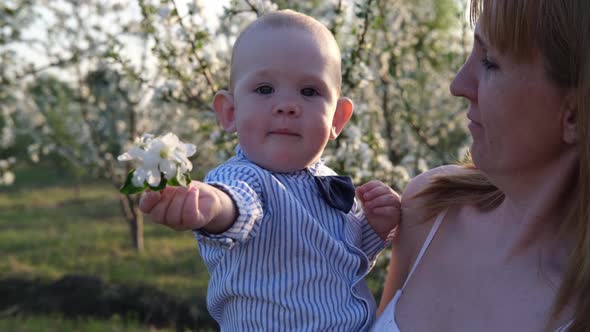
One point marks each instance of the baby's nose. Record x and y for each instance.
(289, 109)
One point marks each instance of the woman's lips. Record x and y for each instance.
(474, 126)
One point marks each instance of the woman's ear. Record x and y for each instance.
(223, 105)
(344, 108)
(569, 120)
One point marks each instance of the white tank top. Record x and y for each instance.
(386, 322)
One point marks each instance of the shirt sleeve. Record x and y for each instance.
(371, 243)
(243, 185)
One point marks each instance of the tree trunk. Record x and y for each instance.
(136, 228)
(134, 219)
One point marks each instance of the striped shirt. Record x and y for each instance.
(290, 262)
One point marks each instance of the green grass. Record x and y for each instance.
(58, 324)
(54, 229)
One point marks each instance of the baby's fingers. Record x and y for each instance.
(148, 200)
(384, 211)
(383, 200)
(192, 216)
(158, 212)
(174, 211)
(366, 188)
(374, 189)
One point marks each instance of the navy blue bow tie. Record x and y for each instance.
(337, 190)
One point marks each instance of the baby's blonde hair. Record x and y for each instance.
(287, 18)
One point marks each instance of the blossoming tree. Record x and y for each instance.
(108, 71)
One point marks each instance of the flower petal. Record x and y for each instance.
(190, 149)
(151, 159)
(136, 152)
(125, 157)
(139, 176)
(168, 168)
(146, 138)
(171, 141)
(153, 177)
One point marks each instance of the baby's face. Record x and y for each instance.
(285, 95)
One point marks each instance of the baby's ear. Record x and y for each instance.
(343, 113)
(223, 104)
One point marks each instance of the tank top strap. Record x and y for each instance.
(565, 327)
(433, 230)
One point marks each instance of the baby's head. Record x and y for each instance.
(312, 30)
(284, 98)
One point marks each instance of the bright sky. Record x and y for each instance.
(133, 47)
(211, 9)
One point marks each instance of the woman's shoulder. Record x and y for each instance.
(414, 204)
(419, 182)
(416, 221)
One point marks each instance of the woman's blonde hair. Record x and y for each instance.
(560, 31)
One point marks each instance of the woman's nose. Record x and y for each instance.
(465, 82)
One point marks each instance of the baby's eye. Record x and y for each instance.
(265, 89)
(309, 92)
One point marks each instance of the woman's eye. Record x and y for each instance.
(265, 89)
(488, 65)
(309, 92)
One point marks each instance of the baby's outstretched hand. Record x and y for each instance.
(198, 206)
(381, 205)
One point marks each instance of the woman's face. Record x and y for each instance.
(515, 113)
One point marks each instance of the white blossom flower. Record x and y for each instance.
(155, 157)
(164, 12)
(7, 178)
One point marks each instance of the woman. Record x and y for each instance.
(503, 244)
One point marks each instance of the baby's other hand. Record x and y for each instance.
(381, 205)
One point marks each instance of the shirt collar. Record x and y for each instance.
(314, 168)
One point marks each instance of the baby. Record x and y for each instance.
(279, 233)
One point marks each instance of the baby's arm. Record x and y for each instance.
(200, 206)
(381, 206)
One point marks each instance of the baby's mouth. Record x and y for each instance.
(283, 132)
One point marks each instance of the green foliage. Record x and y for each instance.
(443, 13)
(128, 188)
(15, 16)
(57, 102)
